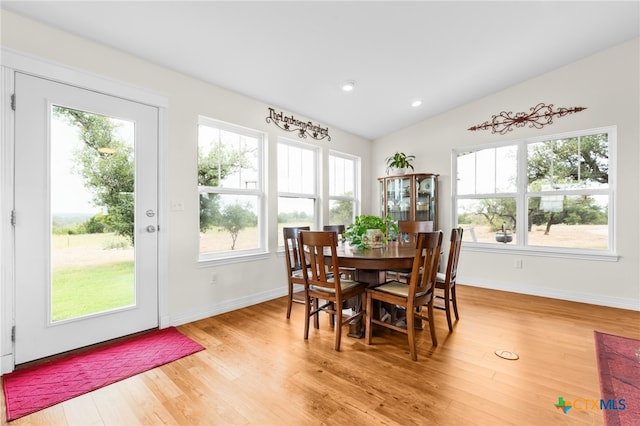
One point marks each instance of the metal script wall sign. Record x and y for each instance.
(292, 124)
(540, 116)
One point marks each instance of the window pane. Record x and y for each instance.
(228, 222)
(296, 169)
(506, 169)
(295, 212)
(466, 169)
(488, 171)
(485, 171)
(227, 159)
(572, 163)
(483, 220)
(341, 176)
(578, 221)
(341, 212)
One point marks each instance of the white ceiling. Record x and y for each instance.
(295, 55)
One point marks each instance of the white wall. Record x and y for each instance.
(191, 296)
(608, 84)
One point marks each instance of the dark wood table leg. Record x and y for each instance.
(372, 278)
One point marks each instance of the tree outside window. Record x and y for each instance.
(342, 188)
(564, 201)
(230, 186)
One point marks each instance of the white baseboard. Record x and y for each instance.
(226, 306)
(592, 299)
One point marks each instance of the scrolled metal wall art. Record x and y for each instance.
(292, 124)
(540, 116)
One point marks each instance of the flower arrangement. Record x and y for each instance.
(356, 233)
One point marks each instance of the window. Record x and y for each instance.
(230, 183)
(342, 189)
(297, 185)
(548, 194)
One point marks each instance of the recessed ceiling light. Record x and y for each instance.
(348, 86)
(416, 104)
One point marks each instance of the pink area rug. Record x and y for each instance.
(34, 388)
(619, 373)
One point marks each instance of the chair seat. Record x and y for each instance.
(441, 277)
(394, 287)
(345, 285)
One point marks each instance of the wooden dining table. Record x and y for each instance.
(370, 266)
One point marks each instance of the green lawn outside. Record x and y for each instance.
(81, 291)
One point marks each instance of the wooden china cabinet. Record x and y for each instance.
(410, 197)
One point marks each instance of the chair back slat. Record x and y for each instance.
(291, 249)
(454, 254)
(315, 247)
(408, 229)
(425, 266)
(338, 229)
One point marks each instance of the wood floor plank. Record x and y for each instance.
(258, 370)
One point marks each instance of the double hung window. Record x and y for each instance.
(342, 188)
(551, 194)
(297, 185)
(231, 188)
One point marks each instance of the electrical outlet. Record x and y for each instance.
(214, 278)
(177, 205)
(518, 264)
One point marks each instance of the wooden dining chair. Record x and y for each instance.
(318, 253)
(407, 234)
(413, 297)
(446, 281)
(292, 258)
(338, 229)
(348, 273)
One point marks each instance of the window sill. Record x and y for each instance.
(208, 262)
(592, 255)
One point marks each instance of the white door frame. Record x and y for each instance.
(16, 61)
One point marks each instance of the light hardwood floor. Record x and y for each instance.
(258, 370)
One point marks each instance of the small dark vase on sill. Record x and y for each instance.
(504, 237)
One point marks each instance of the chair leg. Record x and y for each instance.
(368, 314)
(316, 319)
(455, 301)
(332, 317)
(290, 300)
(338, 325)
(411, 334)
(308, 306)
(432, 325)
(447, 307)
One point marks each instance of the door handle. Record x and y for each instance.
(151, 229)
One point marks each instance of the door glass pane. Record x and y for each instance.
(92, 214)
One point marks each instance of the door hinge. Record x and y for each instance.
(13, 218)
(13, 101)
(13, 333)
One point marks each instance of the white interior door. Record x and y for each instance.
(86, 245)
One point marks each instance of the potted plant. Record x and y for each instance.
(369, 231)
(399, 163)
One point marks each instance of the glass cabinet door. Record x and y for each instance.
(383, 207)
(410, 197)
(425, 199)
(399, 198)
